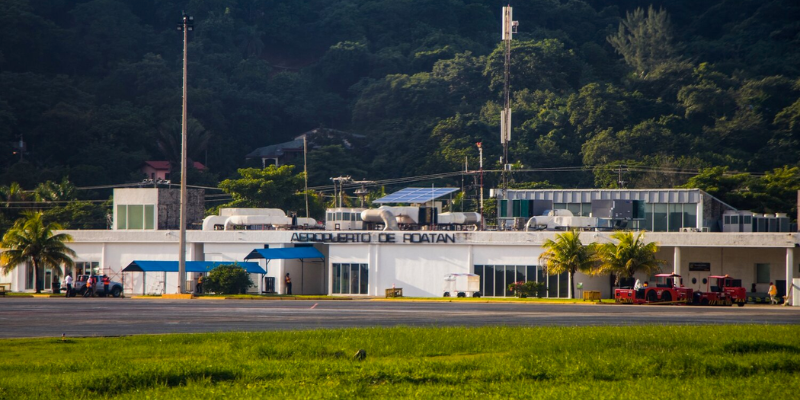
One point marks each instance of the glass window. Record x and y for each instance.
(149, 216)
(499, 280)
(364, 279)
(552, 286)
(563, 285)
(647, 223)
(338, 216)
(29, 280)
(346, 216)
(354, 283)
(525, 208)
(488, 286)
(337, 278)
(559, 206)
(540, 277)
(510, 275)
(345, 278)
(762, 273)
(586, 209)
(516, 212)
(520, 274)
(135, 216)
(689, 216)
(122, 217)
(675, 217)
(575, 208)
(659, 218)
(530, 273)
(329, 216)
(503, 208)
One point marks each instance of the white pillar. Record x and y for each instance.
(700, 214)
(676, 261)
(790, 273)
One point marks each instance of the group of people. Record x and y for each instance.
(91, 285)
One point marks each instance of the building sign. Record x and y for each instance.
(695, 266)
(372, 237)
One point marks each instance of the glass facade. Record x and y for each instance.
(495, 280)
(350, 278)
(658, 217)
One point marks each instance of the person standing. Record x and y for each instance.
(198, 288)
(106, 282)
(773, 293)
(89, 287)
(288, 281)
(68, 284)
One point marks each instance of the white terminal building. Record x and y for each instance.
(413, 245)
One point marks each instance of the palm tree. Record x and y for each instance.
(32, 240)
(568, 254)
(629, 256)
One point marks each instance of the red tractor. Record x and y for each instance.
(725, 292)
(665, 291)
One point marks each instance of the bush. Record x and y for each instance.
(526, 289)
(228, 279)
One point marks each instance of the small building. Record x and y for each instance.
(156, 209)
(664, 210)
(160, 170)
(283, 153)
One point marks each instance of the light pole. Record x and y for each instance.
(186, 25)
(480, 207)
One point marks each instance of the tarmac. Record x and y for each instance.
(22, 317)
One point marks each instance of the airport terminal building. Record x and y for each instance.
(354, 257)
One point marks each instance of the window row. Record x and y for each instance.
(495, 280)
(343, 216)
(659, 217)
(350, 278)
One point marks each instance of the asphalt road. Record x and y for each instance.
(50, 317)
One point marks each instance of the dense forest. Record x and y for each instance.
(669, 89)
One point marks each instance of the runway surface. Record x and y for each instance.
(50, 317)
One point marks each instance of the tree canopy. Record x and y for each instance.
(90, 89)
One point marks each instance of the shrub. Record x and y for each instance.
(228, 279)
(526, 289)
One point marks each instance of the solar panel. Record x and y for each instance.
(416, 195)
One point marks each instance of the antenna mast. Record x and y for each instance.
(509, 28)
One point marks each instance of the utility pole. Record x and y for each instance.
(185, 26)
(480, 206)
(342, 180)
(305, 170)
(620, 182)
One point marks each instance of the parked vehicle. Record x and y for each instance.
(726, 291)
(664, 291)
(114, 288)
(461, 285)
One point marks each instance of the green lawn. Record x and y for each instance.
(670, 362)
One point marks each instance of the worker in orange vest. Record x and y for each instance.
(89, 287)
(106, 282)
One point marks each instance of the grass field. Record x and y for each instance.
(662, 362)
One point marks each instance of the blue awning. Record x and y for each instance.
(191, 266)
(285, 254)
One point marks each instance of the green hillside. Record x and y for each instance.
(666, 88)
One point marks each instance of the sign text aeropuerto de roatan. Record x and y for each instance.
(383, 237)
